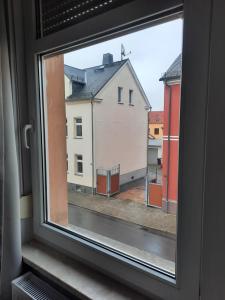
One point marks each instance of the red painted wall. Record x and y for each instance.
(171, 148)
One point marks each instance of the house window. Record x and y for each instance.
(120, 91)
(78, 127)
(79, 164)
(131, 97)
(156, 131)
(67, 162)
(66, 128)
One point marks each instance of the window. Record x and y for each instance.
(156, 131)
(153, 279)
(120, 90)
(78, 127)
(130, 97)
(66, 129)
(67, 162)
(121, 161)
(79, 164)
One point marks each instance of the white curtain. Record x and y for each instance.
(9, 177)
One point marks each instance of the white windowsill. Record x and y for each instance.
(71, 275)
(79, 174)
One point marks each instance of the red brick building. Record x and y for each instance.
(171, 80)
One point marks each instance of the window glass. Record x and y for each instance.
(118, 184)
(78, 127)
(120, 89)
(130, 97)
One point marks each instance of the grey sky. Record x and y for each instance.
(152, 51)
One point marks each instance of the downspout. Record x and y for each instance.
(92, 144)
(147, 169)
(168, 147)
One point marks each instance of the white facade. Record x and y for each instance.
(79, 146)
(119, 131)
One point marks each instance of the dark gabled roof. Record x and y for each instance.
(174, 71)
(96, 78)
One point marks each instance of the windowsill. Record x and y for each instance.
(120, 102)
(79, 174)
(78, 137)
(131, 104)
(73, 276)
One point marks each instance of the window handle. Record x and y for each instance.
(27, 127)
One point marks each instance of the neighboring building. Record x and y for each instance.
(172, 80)
(107, 121)
(155, 121)
(155, 151)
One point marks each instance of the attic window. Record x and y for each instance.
(131, 92)
(120, 91)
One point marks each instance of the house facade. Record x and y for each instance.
(155, 121)
(171, 128)
(107, 123)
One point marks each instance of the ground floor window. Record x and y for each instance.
(79, 164)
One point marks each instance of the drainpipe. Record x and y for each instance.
(147, 168)
(92, 144)
(168, 147)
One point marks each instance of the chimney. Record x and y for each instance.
(107, 59)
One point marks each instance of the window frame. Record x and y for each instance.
(119, 97)
(76, 160)
(75, 128)
(156, 128)
(131, 94)
(139, 14)
(66, 129)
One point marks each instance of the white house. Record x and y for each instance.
(107, 123)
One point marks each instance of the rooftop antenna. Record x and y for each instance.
(123, 52)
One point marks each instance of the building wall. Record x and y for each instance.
(151, 130)
(68, 87)
(56, 136)
(171, 148)
(121, 130)
(82, 145)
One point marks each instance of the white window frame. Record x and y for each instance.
(131, 95)
(66, 128)
(137, 14)
(76, 124)
(76, 161)
(120, 94)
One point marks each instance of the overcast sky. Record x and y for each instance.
(152, 51)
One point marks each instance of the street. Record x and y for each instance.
(123, 231)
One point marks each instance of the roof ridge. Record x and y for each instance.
(115, 62)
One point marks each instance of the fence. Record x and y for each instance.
(108, 181)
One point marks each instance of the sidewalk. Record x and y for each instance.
(127, 210)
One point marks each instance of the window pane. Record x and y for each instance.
(78, 120)
(118, 185)
(79, 130)
(120, 89)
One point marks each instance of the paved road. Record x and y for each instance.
(122, 231)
